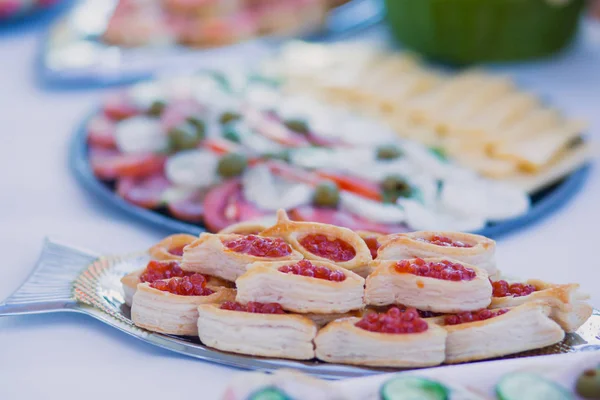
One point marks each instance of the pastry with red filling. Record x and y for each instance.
(392, 339)
(493, 333)
(303, 287)
(568, 307)
(227, 255)
(171, 305)
(171, 247)
(473, 249)
(323, 242)
(245, 228)
(430, 284)
(258, 329)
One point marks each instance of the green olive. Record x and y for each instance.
(297, 126)
(184, 136)
(388, 152)
(327, 194)
(156, 108)
(231, 165)
(395, 186)
(588, 384)
(228, 117)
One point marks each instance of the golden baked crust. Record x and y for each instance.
(244, 228)
(568, 307)
(266, 335)
(265, 284)
(170, 313)
(343, 342)
(407, 245)
(293, 231)
(386, 286)
(522, 328)
(208, 255)
(160, 251)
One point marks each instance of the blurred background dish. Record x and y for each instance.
(471, 31)
(16, 9)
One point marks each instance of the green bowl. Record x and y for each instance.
(469, 31)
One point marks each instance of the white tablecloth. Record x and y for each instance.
(73, 356)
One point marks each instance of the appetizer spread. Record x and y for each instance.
(210, 23)
(222, 148)
(14, 8)
(306, 290)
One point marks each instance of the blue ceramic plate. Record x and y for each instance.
(543, 203)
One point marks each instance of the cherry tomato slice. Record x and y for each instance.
(144, 192)
(101, 132)
(109, 164)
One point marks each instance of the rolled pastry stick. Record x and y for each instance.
(303, 286)
(499, 332)
(568, 306)
(171, 247)
(245, 228)
(430, 284)
(165, 312)
(323, 319)
(227, 255)
(322, 242)
(382, 340)
(156, 270)
(256, 333)
(473, 249)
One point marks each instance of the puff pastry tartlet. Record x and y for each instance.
(171, 306)
(568, 307)
(323, 242)
(372, 240)
(323, 319)
(430, 284)
(472, 249)
(171, 247)
(393, 339)
(245, 228)
(227, 255)
(156, 270)
(256, 329)
(302, 287)
(494, 333)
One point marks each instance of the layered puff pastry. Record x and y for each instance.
(522, 328)
(174, 314)
(466, 247)
(171, 247)
(389, 283)
(267, 335)
(323, 242)
(567, 303)
(227, 255)
(303, 287)
(245, 228)
(342, 341)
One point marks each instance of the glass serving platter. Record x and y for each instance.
(68, 279)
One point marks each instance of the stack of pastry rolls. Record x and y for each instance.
(303, 290)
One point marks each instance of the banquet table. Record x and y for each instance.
(73, 356)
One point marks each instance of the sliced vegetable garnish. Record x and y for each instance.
(388, 152)
(413, 388)
(232, 165)
(359, 186)
(525, 385)
(269, 394)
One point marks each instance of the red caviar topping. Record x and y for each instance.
(335, 250)
(503, 289)
(259, 246)
(445, 269)
(373, 245)
(480, 315)
(156, 270)
(393, 321)
(194, 285)
(445, 241)
(306, 268)
(253, 307)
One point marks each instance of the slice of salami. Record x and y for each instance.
(218, 213)
(342, 218)
(144, 192)
(101, 132)
(190, 209)
(110, 164)
(118, 107)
